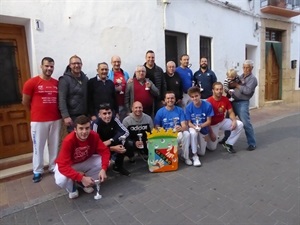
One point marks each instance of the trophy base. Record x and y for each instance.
(97, 197)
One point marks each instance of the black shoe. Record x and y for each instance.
(222, 142)
(132, 160)
(251, 147)
(144, 155)
(229, 148)
(121, 170)
(37, 177)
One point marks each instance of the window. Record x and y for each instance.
(175, 44)
(205, 48)
(273, 35)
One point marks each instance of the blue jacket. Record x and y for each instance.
(111, 75)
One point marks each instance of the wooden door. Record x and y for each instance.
(14, 71)
(273, 62)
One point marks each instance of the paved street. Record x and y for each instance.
(260, 187)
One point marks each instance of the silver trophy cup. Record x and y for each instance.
(97, 196)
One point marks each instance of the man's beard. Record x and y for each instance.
(203, 66)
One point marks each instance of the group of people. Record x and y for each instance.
(107, 116)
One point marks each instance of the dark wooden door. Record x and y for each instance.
(14, 71)
(273, 71)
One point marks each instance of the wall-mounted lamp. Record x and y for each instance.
(166, 2)
(257, 26)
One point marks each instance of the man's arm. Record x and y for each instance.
(26, 101)
(127, 96)
(153, 89)
(62, 97)
(233, 118)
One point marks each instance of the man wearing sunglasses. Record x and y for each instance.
(111, 131)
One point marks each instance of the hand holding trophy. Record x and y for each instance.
(198, 128)
(119, 82)
(140, 135)
(175, 120)
(123, 139)
(199, 83)
(147, 84)
(230, 91)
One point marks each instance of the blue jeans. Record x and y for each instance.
(241, 109)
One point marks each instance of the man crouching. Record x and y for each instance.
(83, 158)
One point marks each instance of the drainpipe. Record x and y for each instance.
(166, 3)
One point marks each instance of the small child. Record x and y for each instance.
(232, 76)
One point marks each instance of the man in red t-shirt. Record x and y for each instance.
(40, 96)
(141, 89)
(221, 105)
(120, 78)
(83, 158)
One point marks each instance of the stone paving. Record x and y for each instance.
(260, 187)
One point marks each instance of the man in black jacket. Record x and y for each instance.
(156, 75)
(101, 90)
(111, 131)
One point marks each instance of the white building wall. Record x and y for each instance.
(230, 31)
(97, 29)
(93, 30)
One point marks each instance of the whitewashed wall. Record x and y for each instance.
(97, 29)
(94, 30)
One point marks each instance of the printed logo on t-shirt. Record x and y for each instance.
(81, 153)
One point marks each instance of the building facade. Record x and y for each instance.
(227, 32)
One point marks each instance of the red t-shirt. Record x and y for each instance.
(220, 107)
(119, 79)
(75, 151)
(44, 99)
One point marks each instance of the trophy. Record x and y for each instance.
(231, 92)
(199, 83)
(193, 83)
(123, 139)
(197, 123)
(147, 81)
(119, 82)
(140, 135)
(97, 196)
(175, 119)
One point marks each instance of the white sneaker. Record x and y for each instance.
(88, 190)
(74, 194)
(196, 161)
(188, 162)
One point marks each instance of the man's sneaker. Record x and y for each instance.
(143, 155)
(121, 170)
(229, 148)
(132, 160)
(251, 148)
(196, 161)
(88, 190)
(74, 193)
(37, 177)
(188, 162)
(222, 142)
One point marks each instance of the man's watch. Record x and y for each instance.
(111, 140)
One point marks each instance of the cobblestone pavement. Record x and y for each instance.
(261, 187)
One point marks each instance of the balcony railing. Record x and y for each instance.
(286, 8)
